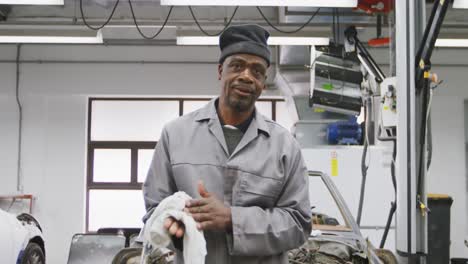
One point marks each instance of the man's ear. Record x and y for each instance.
(220, 71)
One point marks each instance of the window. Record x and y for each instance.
(122, 133)
(326, 214)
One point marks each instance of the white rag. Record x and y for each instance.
(158, 236)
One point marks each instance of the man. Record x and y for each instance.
(245, 172)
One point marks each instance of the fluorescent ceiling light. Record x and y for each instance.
(451, 43)
(273, 40)
(31, 2)
(309, 3)
(121, 32)
(53, 36)
(460, 4)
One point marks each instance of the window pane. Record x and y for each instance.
(115, 208)
(326, 212)
(131, 120)
(112, 165)
(190, 106)
(144, 160)
(264, 108)
(283, 116)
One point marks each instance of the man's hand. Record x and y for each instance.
(175, 228)
(209, 212)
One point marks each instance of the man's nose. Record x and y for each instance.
(246, 76)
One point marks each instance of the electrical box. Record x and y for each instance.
(388, 92)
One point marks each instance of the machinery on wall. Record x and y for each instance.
(376, 6)
(335, 81)
(411, 93)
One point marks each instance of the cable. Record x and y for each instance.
(105, 23)
(364, 166)
(429, 106)
(138, 27)
(388, 224)
(11, 204)
(334, 26)
(338, 25)
(429, 143)
(205, 32)
(394, 203)
(363, 183)
(426, 104)
(429, 129)
(19, 183)
(287, 32)
(367, 129)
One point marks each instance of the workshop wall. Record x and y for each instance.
(447, 174)
(55, 84)
(54, 97)
(8, 129)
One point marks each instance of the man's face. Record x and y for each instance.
(243, 79)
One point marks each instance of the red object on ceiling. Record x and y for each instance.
(375, 6)
(379, 42)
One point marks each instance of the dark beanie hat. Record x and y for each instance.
(250, 39)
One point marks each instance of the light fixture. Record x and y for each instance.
(304, 3)
(38, 35)
(123, 34)
(460, 4)
(273, 41)
(451, 43)
(31, 2)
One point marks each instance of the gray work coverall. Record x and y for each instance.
(264, 181)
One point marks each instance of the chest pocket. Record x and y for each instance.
(254, 190)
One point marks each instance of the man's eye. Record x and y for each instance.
(236, 66)
(258, 72)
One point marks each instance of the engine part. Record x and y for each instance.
(344, 132)
(335, 82)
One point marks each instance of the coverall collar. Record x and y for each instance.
(209, 112)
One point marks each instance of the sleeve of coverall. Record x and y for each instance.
(262, 232)
(159, 182)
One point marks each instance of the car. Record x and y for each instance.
(21, 239)
(335, 237)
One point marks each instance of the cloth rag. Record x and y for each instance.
(159, 237)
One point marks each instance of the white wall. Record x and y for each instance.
(447, 174)
(55, 96)
(8, 129)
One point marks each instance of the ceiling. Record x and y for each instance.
(151, 13)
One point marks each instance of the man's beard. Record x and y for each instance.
(241, 104)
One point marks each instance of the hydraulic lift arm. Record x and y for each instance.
(427, 45)
(364, 56)
(422, 75)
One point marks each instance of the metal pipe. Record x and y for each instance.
(19, 181)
